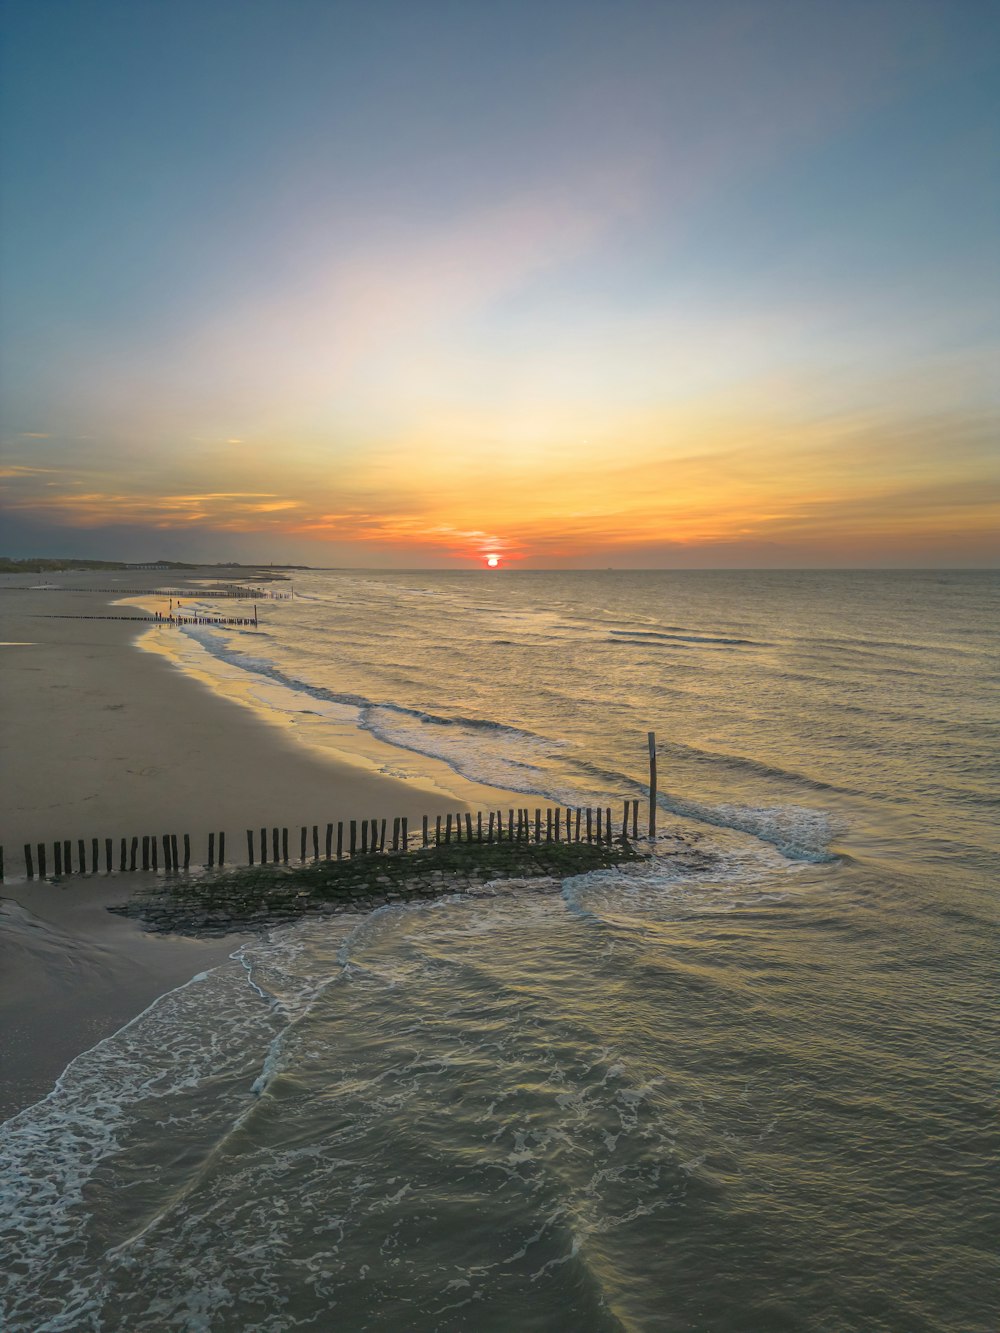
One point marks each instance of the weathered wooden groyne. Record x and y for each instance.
(335, 841)
(157, 618)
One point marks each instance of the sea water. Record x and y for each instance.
(747, 1097)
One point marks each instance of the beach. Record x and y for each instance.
(744, 1086)
(99, 738)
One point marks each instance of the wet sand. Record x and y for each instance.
(72, 973)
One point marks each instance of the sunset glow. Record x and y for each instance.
(696, 297)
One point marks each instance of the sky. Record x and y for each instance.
(629, 283)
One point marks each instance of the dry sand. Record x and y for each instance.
(101, 739)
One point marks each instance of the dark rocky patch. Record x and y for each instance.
(258, 897)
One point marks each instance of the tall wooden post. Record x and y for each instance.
(651, 736)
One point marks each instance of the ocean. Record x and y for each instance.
(751, 1097)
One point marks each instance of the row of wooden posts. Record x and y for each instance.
(365, 837)
(159, 619)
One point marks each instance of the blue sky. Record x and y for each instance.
(276, 277)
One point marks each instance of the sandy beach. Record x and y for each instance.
(102, 739)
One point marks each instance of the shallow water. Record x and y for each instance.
(752, 1097)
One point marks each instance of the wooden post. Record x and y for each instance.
(607, 823)
(274, 845)
(315, 842)
(302, 843)
(166, 851)
(635, 819)
(479, 826)
(600, 825)
(222, 849)
(329, 841)
(406, 836)
(250, 846)
(395, 834)
(82, 856)
(145, 852)
(468, 826)
(381, 836)
(354, 836)
(447, 829)
(625, 823)
(41, 860)
(153, 852)
(95, 856)
(579, 814)
(263, 846)
(548, 825)
(340, 839)
(29, 864)
(107, 856)
(364, 835)
(187, 851)
(510, 825)
(426, 832)
(284, 845)
(589, 829)
(558, 822)
(651, 736)
(211, 850)
(57, 857)
(538, 825)
(489, 831)
(437, 830)
(133, 853)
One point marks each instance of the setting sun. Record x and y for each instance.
(492, 561)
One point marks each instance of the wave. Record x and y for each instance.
(487, 751)
(656, 635)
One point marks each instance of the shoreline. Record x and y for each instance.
(107, 735)
(100, 738)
